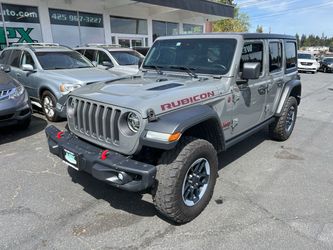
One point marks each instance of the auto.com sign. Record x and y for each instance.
(22, 24)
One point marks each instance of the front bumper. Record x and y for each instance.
(15, 111)
(137, 176)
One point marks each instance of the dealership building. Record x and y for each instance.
(126, 22)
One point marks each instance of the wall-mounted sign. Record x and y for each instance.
(66, 17)
(20, 13)
(22, 25)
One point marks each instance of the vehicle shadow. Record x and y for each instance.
(241, 148)
(13, 133)
(117, 198)
(133, 202)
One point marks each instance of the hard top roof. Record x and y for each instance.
(228, 34)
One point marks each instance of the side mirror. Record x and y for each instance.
(107, 64)
(94, 63)
(5, 68)
(27, 67)
(251, 70)
(140, 62)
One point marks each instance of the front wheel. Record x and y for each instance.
(284, 125)
(49, 106)
(185, 179)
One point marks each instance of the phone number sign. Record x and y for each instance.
(74, 18)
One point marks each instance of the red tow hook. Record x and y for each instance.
(104, 155)
(60, 134)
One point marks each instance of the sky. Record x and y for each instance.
(290, 16)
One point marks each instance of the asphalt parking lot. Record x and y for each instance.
(270, 195)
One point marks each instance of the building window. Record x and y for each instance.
(75, 28)
(275, 56)
(22, 25)
(192, 28)
(125, 25)
(161, 28)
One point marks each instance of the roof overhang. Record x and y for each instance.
(199, 6)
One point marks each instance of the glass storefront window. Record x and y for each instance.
(124, 25)
(74, 28)
(192, 28)
(161, 28)
(22, 24)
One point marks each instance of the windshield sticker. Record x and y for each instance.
(178, 44)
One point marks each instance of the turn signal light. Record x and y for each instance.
(174, 137)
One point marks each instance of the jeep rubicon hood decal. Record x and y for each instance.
(143, 93)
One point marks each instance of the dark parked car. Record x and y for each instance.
(326, 65)
(15, 106)
(142, 50)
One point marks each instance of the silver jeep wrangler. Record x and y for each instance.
(161, 131)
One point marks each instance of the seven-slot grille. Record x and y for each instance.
(96, 120)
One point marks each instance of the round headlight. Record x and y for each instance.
(133, 122)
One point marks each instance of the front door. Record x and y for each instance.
(29, 79)
(249, 97)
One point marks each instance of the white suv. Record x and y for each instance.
(118, 60)
(307, 63)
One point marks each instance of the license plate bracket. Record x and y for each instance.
(71, 158)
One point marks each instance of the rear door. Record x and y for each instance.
(276, 75)
(14, 62)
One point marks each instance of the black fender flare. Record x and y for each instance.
(180, 121)
(288, 89)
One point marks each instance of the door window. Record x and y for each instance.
(27, 59)
(252, 52)
(90, 54)
(102, 57)
(291, 58)
(275, 56)
(4, 56)
(14, 59)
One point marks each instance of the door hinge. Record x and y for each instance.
(234, 123)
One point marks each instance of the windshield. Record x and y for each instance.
(62, 60)
(305, 56)
(328, 60)
(126, 57)
(206, 56)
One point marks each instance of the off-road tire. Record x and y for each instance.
(48, 94)
(171, 172)
(277, 130)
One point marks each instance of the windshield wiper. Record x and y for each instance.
(158, 69)
(187, 69)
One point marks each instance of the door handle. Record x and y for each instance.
(262, 90)
(279, 82)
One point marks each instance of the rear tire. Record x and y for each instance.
(283, 126)
(49, 103)
(185, 179)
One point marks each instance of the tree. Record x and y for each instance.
(260, 29)
(240, 22)
(298, 40)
